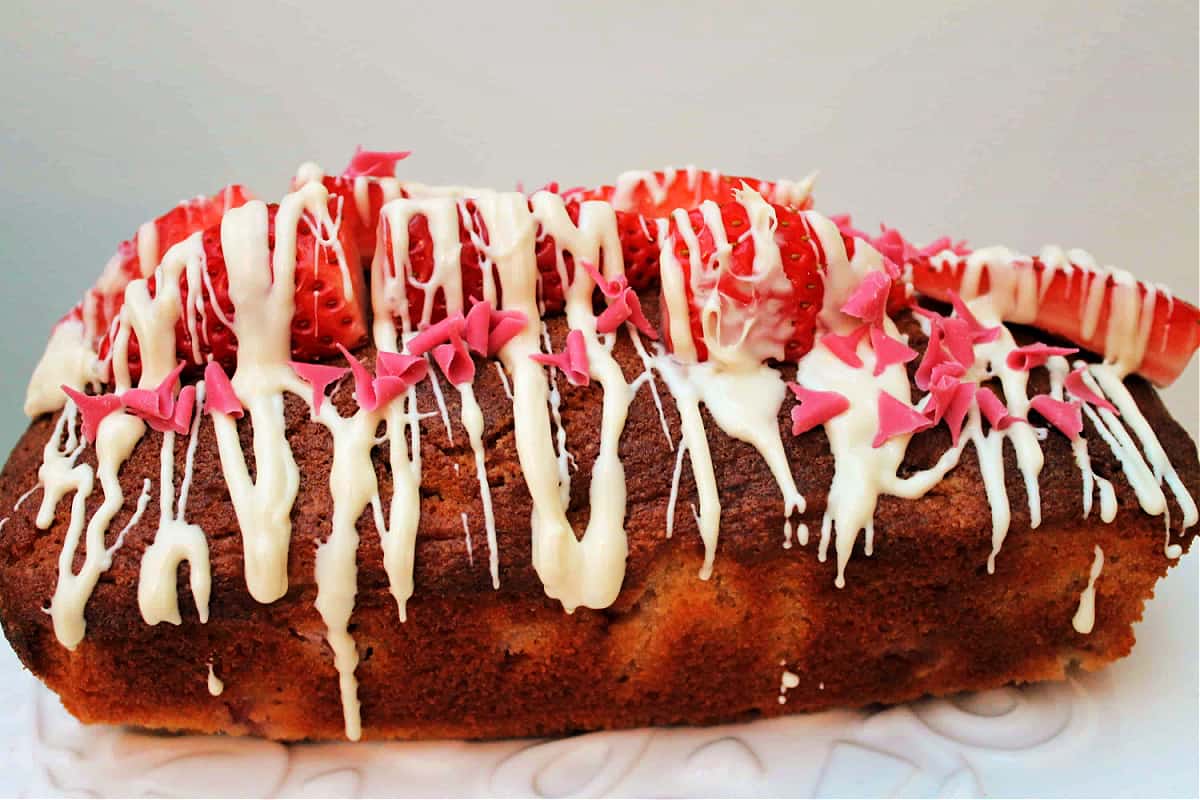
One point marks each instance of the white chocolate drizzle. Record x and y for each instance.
(176, 540)
(215, 685)
(1085, 616)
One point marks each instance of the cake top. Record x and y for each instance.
(214, 311)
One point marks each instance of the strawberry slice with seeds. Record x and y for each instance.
(1067, 295)
(325, 316)
(137, 257)
(657, 194)
(781, 309)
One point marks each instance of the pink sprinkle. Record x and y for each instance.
(957, 337)
(93, 408)
(845, 346)
(815, 408)
(504, 326)
(155, 406)
(572, 361)
(979, 333)
(610, 289)
(897, 419)
(846, 227)
(1067, 417)
(319, 376)
(408, 368)
(950, 399)
(144, 403)
(625, 308)
(455, 361)
(1078, 388)
(374, 163)
(935, 355)
(364, 387)
(487, 330)
(869, 300)
(219, 396)
(387, 388)
(1035, 355)
(889, 351)
(893, 247)
(184, 405)
(995, 410)
(436, 334)
(478, 326)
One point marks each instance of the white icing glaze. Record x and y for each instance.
(59, 474)
(215, 685)
(1085, 615)
(862, 473)
(176, 540)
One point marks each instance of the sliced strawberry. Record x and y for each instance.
(102, 302)
(657, 194)
(785, 312)
(362, 227)
(324, 317)
(1174, 333)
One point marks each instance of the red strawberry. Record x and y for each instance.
(639, 249)
(324, 316)
(102, 302)
(786, 315)
(661, 192)
(1174, 333)
(363, 228)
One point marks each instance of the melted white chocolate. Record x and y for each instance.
(1085, 615)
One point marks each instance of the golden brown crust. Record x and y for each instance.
(920, 616)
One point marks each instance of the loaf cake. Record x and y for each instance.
(391, 460)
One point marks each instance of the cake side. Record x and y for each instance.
(919, 616)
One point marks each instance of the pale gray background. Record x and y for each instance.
(1018, 123)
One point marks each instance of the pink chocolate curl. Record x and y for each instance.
(897, 419)
(93, 408)
(869, 300)
(374, 163)
(504, 326)
(978, 331)
(815, 408)
(154, 403)
(995, 410)
(477, 326)
(958, 341)
(950, 398)
(455, 361)
(1035, 355)
(184, 405)
(889, 351)
(437, 333)
(219, 396)
(625, 308)
(319, 376)
(845, 347)
(487, 330)
(1067, 417)
(364, 386)
(610, 289)
(572, 361)
(1078, 388)
(409, 369)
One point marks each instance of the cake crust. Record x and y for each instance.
(920, 615)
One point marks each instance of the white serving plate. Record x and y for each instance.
(1128, 731)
